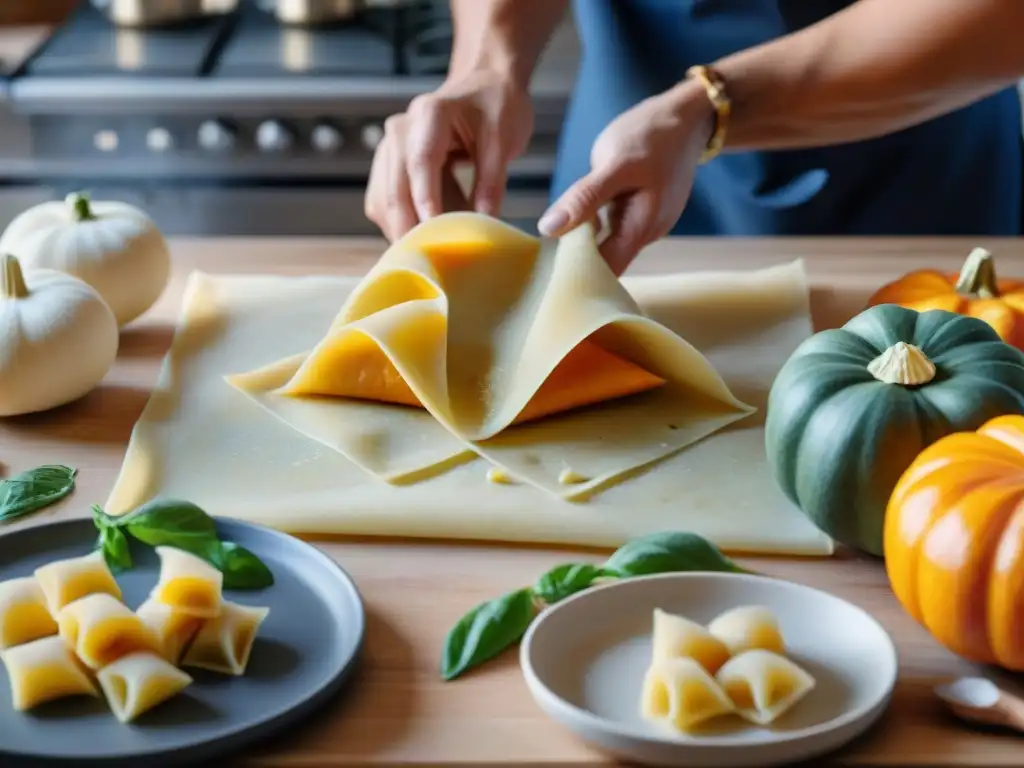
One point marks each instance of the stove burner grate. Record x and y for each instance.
(413, 39)
(88, 45)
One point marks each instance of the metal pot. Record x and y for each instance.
(313, 12)
(152, 13)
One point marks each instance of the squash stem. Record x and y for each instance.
(12, 279)
(78, 202)
(978, 276)
(902, 364)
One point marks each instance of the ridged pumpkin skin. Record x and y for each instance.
(954, 542)
(975, 292)
(838, 438)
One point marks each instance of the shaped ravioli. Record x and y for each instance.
(224, 644)
(44, 670)
(172, 628)
(102, 629)
(681, 692)
(749, 627)
(137, 683)
(64, 581)
(678, 637)
(23, 613)
(764, 685)
(188, 584)
(513, 379)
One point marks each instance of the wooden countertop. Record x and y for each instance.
(398, 711)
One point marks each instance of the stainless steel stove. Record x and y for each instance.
(237, 124)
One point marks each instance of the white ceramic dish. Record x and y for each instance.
(584, 660)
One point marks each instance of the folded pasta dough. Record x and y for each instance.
(480, 331)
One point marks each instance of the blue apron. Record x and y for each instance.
(960, 174)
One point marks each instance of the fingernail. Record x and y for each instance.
(552, 221)
(486, 206)
(426, 209)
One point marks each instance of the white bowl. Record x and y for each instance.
(584, 660)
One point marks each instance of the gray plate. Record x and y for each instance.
(303, 653)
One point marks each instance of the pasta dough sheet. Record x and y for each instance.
(206, 441)
(473, 320)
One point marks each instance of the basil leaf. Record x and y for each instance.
(241, 568)
(162, 521)
(102, 520)
(564, 580)
(35, 489)
(115, 549)
(182, 525)
(491, 627)
(666, 553)
(99, 517)
(487, 630)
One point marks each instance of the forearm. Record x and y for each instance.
(877, 67)
(504, 35)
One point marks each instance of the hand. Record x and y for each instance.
(642, 167)
(483, 116)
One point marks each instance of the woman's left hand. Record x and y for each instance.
(642, 167)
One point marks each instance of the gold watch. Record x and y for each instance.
(714, 86)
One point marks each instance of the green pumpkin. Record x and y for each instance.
(853, 407)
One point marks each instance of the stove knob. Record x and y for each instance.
(326, 138)
(372, 135)
(106, 140)
(159, 140)
(216, 136)
(273, 136)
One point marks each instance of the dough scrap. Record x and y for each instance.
(202, 440)
(491, 330)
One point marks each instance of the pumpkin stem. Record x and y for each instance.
(978, 277)
(902, 364)
(12, 279)
(78, 202)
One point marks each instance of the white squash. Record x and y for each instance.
(114, 247)
(58, 338)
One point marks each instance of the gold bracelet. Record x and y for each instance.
(714, 86)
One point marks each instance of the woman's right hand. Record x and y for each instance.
(484, 117)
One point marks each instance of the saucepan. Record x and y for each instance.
(159, 13)
(314, 12)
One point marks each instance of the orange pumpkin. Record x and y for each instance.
(975, 291)
(954, 542)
